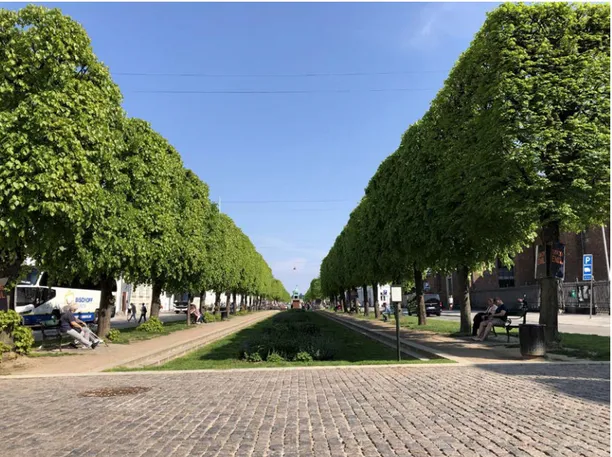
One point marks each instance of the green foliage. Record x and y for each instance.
(303, 357)
(517, 139)
(23, 339)
(287, 335)
(114, 335)
(254, 357)
(9, 320)
(153, 325)
(209, 317)
(274, 357)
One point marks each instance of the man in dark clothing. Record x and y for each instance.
(143, 313)
(76, 328)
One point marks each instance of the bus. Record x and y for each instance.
(37, 302)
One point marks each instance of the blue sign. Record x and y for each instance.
(587, 267)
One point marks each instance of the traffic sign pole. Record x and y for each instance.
(591, 300)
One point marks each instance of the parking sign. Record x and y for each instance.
(587, 267)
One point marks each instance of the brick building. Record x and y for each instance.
(512, 282)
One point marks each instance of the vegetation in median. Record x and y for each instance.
(291, 338)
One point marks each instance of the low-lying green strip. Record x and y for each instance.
(345, 346)
(592, 347)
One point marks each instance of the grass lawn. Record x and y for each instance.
(128, 335)
(591, 347)
(350, 348)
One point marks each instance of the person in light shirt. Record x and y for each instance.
(478, 318)
(499, 317)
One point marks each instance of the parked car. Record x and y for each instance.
(433, 304)
(180, 307)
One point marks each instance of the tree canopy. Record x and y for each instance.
(514, 146)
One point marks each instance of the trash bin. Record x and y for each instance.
(533, 340)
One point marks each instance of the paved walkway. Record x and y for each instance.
(462, 350)
(536, 410)
(104, 358)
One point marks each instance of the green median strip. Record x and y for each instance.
(289, 339)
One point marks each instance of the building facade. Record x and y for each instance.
(512, 282)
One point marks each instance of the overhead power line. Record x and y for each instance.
(309, 91)
(286, 201)
(279, 75)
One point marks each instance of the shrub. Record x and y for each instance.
(209, 317)
(113, 335)
(153, 325)
(9, 320)
(23, 339)
(274, 357)
(17, 337)
(254, 357)
(303, 356)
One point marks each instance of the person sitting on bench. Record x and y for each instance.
(76, 328)
(478, 318)
(498, 318)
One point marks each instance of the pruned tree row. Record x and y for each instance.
(514, 147)
(92, 194)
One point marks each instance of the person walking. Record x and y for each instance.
(143, 313)
(131, 311)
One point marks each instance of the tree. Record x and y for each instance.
(59, 113)
(530, 99)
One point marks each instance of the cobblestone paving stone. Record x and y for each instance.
(496, 410)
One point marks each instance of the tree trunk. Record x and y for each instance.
(155, 300)
(343, 302)
(549, 298)
(234, 302)
(10, 270)
(366, 305)
(375, 300)
(217, 303)
(420, 300)
(466, 309)
(104, 313)
(202, 302)
(242, 302)
(228, 299)
(189, 298)
(250, 302)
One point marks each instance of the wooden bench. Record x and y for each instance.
(513, 315)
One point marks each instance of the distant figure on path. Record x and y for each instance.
(143, 313)
(386, 312)
(131, 311)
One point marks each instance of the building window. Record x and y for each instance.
(505, 275)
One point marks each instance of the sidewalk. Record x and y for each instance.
(151, 351)
(461, 350)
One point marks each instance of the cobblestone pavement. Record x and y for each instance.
(495, 410)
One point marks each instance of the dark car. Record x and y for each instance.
(433, 304)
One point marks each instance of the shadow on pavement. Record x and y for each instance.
(585, 381)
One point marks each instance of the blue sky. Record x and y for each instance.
(318, 149)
